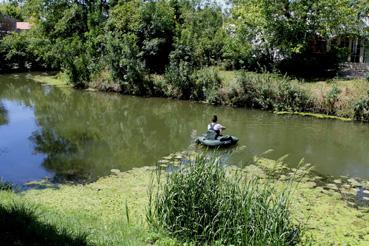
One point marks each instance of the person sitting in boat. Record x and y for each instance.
(215, 127)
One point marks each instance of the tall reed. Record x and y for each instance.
(204, 203)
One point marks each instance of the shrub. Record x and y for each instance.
(254, 92)
(290, 97)
(179, 76)
(125, 65)
(331, 99)
(179, 73)
(268, 92)
(207, 84)
(204, 204)
(361, 109)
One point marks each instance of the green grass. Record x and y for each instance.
(349, 92)
(98, 211)
(203, 205)
(20, 225)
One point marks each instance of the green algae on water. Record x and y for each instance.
(314, 115)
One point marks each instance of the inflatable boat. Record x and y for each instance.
(211, 140)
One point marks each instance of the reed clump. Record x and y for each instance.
(204, 203)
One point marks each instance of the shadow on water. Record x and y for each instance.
(19, 225)
(3, 115)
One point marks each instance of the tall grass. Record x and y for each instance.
(204, 203)
(267, 92)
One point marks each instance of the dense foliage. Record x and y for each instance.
(124, 42)
(361, 109)
(203, 204)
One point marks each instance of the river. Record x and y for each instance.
(67, 134)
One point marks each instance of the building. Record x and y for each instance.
(9, 24)
(357, 46)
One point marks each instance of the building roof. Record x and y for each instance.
(23, 26)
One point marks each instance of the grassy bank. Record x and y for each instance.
(111, 211)
(345, 99)
(333, 97)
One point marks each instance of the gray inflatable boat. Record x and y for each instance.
(211, 139)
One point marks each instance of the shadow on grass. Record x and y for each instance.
(19, 225)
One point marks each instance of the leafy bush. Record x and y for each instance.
(268, 92)
(179, 73)
(181, 79)
(204, 204)
(207, 84)
(361, 109)
(125, 65)
(331, 99)
(16, 53)
(253, 92)
(290, 98)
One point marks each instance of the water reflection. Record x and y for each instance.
(76, 135)
(3, 115)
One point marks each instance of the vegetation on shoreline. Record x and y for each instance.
(182, 49)
(203, 204)
(111, 211)
(125, 42)
(334, 99)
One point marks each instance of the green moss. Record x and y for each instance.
(328, 219)
(319, 116)
(99, 209)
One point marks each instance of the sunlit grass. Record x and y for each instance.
(20, 224)
(204, 204)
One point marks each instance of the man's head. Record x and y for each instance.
(214, 119)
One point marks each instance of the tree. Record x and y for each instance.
(282, 31)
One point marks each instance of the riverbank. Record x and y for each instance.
(329, 99)
(111, 211)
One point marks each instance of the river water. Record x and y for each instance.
(67, 134)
